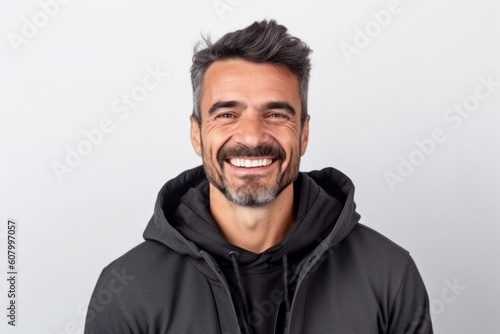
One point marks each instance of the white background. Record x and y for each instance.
(365, 114)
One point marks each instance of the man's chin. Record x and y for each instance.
(254, 199)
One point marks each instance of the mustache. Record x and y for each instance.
(240, 151)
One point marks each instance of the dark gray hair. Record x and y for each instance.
(261, 42)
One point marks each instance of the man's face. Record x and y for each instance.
(251, 138)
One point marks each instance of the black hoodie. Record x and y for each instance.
(329, 275)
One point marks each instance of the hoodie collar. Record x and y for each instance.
(325, 213)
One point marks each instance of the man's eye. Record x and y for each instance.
(278, 115)
(225, 115)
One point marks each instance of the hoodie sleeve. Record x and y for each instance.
(105, 313)
(410, 313)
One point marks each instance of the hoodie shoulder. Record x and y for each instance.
(379, 240)
(127, 292)
(147, 257)
(375, 259)
(391, 268)
(369, 276)
(378, 254)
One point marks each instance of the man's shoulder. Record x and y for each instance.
(371, 262)
(143, 254)
(374, 251)
(148, 261)
(147, 282)
(371, 239)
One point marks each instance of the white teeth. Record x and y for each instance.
(248, 163)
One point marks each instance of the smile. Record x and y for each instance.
(249, 163)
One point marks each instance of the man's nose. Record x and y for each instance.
(251, 131)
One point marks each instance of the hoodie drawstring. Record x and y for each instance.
(285, 283)
(236, 268)
(286, 292)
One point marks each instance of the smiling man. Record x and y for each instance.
(246, 243)
(251, 138)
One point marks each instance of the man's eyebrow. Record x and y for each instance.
(266, 106)
(225, 104)
(279, 105)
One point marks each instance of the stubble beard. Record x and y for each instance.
(252, 193)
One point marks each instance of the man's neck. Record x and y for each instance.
(253, 228)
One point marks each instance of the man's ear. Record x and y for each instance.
(304, 136)
(196, 135)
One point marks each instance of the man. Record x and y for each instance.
(247, 243)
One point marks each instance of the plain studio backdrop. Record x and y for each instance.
(95, 99)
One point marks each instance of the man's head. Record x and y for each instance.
(250, 122)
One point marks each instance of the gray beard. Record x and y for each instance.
(253, 195)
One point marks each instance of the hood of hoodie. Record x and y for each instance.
(325, 213)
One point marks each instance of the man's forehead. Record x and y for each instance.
(238, 65)
(241, 75)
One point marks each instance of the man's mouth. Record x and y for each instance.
(250, 163)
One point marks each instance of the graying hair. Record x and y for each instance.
(261, 42)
